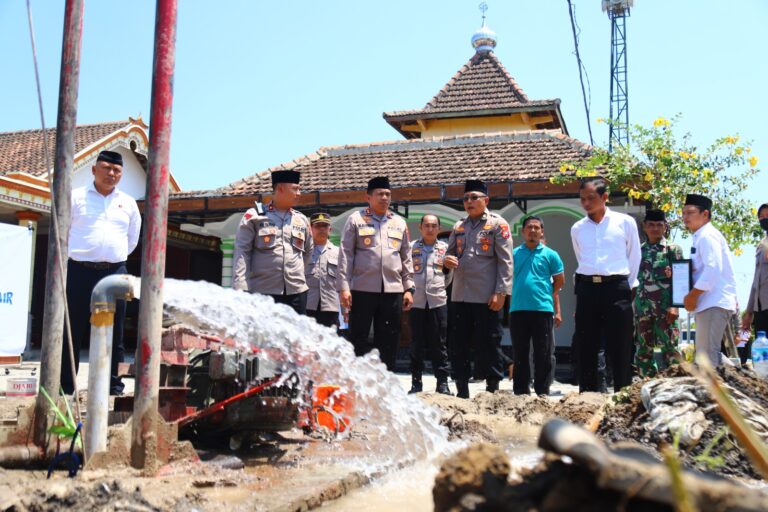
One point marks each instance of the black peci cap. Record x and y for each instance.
(285, 177)
(699, 200)
(655, 216)
(475, 186)
(112, 157)
(378, 182)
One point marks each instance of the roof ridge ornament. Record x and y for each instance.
(484, 40)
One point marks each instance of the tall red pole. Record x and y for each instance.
(145, 407)
(58, 238)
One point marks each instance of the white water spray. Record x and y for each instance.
(405, 428)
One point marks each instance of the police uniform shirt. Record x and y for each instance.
(103, 228)
(375, 253)
(758, 293)
(484, 249)
(271, 252)
(321, 277)
(610, 247)
(428, 277)
(713, 270)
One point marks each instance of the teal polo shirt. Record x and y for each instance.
(532, 281)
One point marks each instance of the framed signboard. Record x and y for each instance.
(682, 280)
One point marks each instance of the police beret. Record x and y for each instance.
(475, 186)
(699, 200)
(655, 216)
(112, 157)
(378, 182)
(285, 177)
(320, 218)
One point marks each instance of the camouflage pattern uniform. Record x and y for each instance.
(653, 298)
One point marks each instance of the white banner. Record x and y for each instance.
(15, 269)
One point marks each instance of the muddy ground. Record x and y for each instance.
(625, 422)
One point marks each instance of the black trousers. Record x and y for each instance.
(475, 322)
(298, 301)
(80, 283)
(535, 327)
(604, 309)
(327, 318)
(384, 310)
(429, 330)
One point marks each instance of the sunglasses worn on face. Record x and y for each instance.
(473, 197)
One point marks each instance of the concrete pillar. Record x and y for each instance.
(29, 219)
(227, 249)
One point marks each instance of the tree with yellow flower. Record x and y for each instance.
(660, 168)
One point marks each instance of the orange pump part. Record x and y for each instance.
(333, 408)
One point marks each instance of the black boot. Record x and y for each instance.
(462, 389)
(415, 385)
(492, 386)
(442, 388)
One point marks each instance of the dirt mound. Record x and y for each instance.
(468, 472)
(101, 496)
(526, 409)
(627, 420)
(465, 429)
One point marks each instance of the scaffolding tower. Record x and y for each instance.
(618, 12)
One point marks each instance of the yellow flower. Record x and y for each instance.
(753, 161)
(753, 211)
(599, 120)
(660, 122)
(665, 152)
(563, 168)
(738, 151)
(648, 176)
(552, 179)
(592, 173)
(647, 196)
(684, 155)
(666, 190)
(695, 172)
(731, 140)
(666, 207)
(738, 252)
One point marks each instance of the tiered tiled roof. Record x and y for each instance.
(503, 157)
(481, 84)
(23, 151)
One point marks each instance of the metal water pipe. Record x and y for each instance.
(56, 269)
(145, 405)
(105, 293)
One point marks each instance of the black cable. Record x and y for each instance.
(581, 65)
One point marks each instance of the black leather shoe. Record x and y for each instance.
(416, 387)
(462, 389)
(492, 386)
(443, 389)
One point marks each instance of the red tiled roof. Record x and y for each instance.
(481, 84)
(22, 151)
(502, 157)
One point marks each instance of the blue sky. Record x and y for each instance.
(259, 83)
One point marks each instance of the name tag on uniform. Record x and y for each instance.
(298, 233)
(267, 231)
(366, 230)
(395, 233)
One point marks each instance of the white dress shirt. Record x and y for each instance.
(610, 247)
(713, 269)
(103, 229)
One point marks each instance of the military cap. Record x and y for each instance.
(378, 182)
(320, 218)
(475, 186)
(112, 157)
(699, 200)
(655, 216)
(285, 177)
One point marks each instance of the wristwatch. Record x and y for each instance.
(412, 289)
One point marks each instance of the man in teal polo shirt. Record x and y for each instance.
(535, 307)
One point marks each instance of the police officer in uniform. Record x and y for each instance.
(655, 317)
(429, 315)
(375, 273)
(321, 274)
(480, 251)
(273, 246)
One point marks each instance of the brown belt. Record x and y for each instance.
(601, 279)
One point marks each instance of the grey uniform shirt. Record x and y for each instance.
(428, 276)
(271, 252)
(484, 249)
(375, 254)
(321, 276)
(758, 294)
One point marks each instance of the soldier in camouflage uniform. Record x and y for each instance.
(656, 318)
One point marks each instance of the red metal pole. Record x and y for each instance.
(56, 274)
(145, 407)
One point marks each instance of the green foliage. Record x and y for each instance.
(660, 168)
(706, 458)
(67, 426)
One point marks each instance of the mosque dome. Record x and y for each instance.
(484, 40)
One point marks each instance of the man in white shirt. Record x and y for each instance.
(607, 247)
(713, 297)
(105, 229)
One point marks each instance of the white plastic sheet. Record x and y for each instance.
(15, 269)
